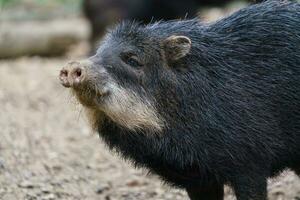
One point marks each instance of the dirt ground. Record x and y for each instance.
(47, 150)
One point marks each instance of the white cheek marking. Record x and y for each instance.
(128, 109)
(94, 117)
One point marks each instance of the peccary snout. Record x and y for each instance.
(72, 74)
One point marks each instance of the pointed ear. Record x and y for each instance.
(176, 47)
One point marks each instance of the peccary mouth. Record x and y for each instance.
(90, 94)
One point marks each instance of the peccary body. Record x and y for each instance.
(201, 105)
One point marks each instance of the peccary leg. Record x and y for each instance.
(212, 193)
(251, 188)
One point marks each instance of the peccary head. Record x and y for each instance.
(133, 78)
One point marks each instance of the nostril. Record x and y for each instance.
(63, 76)
(64, 73)
(78, 72)
(77, 75)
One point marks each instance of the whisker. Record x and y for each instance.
(79, 114)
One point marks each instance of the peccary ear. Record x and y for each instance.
(176, 47)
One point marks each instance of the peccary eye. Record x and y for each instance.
(131, 60)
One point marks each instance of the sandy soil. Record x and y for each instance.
(47, 151)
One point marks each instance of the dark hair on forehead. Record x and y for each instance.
(161, 29)
(127, 29)
(173, 26)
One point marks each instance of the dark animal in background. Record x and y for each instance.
(201, 105)
(102, 13)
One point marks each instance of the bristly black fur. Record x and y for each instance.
(232, 105)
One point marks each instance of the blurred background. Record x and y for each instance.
(47, 150)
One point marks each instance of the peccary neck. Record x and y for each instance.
(139, 147)
(180, 164)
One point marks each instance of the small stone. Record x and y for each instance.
(49, 197)
(26, 184)
(2, 166)
(134, 183)
(102, 188)
(46, 190)
(31, 197)
(57, 168)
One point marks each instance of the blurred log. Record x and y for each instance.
(44, 38)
